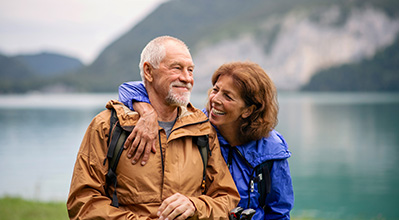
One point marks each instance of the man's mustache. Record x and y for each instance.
(189, 86)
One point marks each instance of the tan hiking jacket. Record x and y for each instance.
(178, 168)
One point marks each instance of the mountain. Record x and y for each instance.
(24, 73)
(13, 69)
(50, 64)
(294, 45)
(291, 40)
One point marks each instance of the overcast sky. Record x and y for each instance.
(79, 28)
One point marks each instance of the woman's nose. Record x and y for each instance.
(216, 99)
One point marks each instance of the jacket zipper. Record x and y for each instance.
(160, 148)
(162, 162)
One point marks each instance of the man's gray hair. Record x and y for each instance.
(154, 52)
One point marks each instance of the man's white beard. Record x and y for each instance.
(179, 99)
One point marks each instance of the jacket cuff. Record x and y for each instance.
(198, 204)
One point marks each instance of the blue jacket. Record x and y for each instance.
(280, 200)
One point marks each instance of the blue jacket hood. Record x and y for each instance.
(273, 147)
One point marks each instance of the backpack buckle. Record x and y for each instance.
(203, 186)
(258, 178)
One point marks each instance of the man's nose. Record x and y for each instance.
(186, 76)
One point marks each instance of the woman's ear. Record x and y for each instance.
(148, 72)
(248, 111)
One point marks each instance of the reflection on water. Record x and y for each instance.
(345, 149)
(39, 139)
(345, 153)
(37, 150)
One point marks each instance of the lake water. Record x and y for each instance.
(344, 163)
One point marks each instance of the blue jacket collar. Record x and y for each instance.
(255, 152)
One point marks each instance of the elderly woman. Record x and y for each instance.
(243, 108)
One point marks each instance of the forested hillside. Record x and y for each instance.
(379, 73)
(35, 72)
(49, 64)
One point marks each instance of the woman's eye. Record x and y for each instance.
(214, 90)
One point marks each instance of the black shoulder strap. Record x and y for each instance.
(203, 146)
(260, 174)
(116, 139)
(264, 180)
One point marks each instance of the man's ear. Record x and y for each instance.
(148, 72)
(248, 111)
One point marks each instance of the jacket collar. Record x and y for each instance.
(256, 152)
(187, 116)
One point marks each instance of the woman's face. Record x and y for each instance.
(226, 107)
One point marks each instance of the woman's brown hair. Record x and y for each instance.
(257, 89)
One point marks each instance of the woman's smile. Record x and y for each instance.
(217, 112)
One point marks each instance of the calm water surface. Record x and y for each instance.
(344, 162)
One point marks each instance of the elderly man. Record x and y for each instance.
(170, 185)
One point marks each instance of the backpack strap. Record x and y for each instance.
(117, 137)
(202, 143)
(264, 180)
(260, 174)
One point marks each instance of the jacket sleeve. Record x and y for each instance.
(133, 91)
(281, 198)
(87, 198)
(221, 193)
